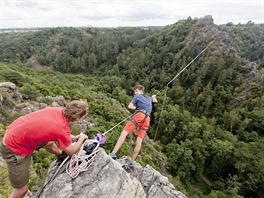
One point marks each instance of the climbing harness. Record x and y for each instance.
(142, 121)
(102, 137)
(143, 111)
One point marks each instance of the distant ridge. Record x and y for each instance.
(33, 29)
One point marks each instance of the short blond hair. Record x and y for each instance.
(75, 110)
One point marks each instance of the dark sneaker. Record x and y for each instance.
(112, 155)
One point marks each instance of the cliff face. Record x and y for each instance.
(106, 178)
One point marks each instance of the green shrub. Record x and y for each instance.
(5, 188)
(29, 92)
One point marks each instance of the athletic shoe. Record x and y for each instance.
(131, 164)
(112, 155)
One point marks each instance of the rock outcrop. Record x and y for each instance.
(107, 178)
(9, 94)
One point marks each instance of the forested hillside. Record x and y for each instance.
(208, 122)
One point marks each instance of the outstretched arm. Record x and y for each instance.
(74, 148)
(75, 137)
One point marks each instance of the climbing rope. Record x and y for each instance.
(80, 162)
(117, 125)
(161, 112)
(101, 138)
(186, 67)
(167, 85)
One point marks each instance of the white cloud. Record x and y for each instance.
(113, 13)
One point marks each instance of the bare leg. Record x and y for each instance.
(120, 141)
(19, 192)
(137, 149)
(52, 148)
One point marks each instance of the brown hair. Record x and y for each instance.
(139, 87)
(75, 110)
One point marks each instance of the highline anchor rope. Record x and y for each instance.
(186, 66)
(167, 85)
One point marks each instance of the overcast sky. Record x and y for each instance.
(114, 13)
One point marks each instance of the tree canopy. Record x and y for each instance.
(208, 122)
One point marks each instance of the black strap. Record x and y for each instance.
(134, 122)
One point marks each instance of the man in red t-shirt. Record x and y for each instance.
(40, 129)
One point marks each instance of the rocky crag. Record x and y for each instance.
(106, 178)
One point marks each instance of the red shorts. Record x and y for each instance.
(143, 123)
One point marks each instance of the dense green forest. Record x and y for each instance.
(208, 124)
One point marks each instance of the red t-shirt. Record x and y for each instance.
(26, 133)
